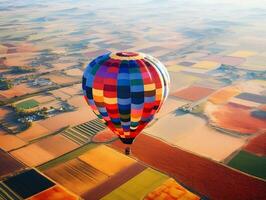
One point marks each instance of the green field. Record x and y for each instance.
(28, 104)
(249, 163)
(139, 186)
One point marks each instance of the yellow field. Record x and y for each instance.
(223, 95)
(138, 187)
(206, 65)
(243, 54)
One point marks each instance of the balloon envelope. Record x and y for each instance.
(125, 89)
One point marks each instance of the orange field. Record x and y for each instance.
(54, 193)
(76, 176)
(4, 112)
(33, 132)
(224, 95)
(9, 142)
(171, 190)
(104, 136)
(17, 90)
(236, 118)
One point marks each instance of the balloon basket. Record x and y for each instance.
(127, 151)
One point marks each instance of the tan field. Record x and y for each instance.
(44, 150)
(78, 101)
(57, 145)
(191, 133)
(169, 105)
(18, 90)
(253, 86)
(32, 155)
(19, 59)
(63, 120)
(44, 98)
(74, 72)
(59, 94)
(33, 132)
(60, 66)
(72, 90)
(60, 79)
(55, 104)
(3, 49)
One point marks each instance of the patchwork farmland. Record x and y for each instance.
(207, 141)
(82, 134)
(249, 163)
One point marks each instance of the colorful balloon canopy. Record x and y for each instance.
(125, 89)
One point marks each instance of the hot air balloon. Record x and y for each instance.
(125, 90)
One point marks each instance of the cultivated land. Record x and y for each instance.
(31, 103)
(85, 176)
(199, 138)
(209, 135)
(44, 150)
(8, 164)
(249, 163)
(196, 172)
(146, 181)
(257, 145)
(53, 193)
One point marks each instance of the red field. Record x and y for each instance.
(104, 136)
(204, 176)
(193, 93)
(257, 145)
(237, 118)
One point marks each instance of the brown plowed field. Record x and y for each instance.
(8, 165)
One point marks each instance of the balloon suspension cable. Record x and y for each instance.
(127, 150)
